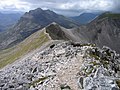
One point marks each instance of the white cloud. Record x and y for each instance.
(14, 5)
(88, 5)
(70, 6)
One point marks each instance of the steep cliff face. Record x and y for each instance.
(64, 66)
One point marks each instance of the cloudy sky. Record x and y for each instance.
(66, 7)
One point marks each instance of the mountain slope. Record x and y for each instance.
(9, 55)
(31, 22)
(7, 20)
(34, 41)
(104, 30)
(85, 18)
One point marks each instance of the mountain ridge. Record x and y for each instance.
(33, 42)
(31, 22)
(85, 18)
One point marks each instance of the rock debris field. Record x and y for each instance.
(64, 66)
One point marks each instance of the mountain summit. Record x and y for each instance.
(31, 22)
(45, 17)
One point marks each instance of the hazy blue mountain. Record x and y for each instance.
(85, 17)
(7, 20)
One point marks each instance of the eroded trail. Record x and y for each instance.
(63, 66)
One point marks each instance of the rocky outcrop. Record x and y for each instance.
(64, 66)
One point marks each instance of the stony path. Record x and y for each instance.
(63, 66)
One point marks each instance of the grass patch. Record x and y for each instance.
(105, 63)
(104, 60)
(94, 56)
(111, 15)
(33, 42)
(90, 71)
(118, 83)
(94, 63)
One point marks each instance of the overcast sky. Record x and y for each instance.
(66, 7)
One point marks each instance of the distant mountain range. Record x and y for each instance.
(7, 20)
(85, 18)
(31, 22)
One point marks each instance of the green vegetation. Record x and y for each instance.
(89, 72)
(33, 42)
(105, 63)
(118, 83)
(94, 63)
(103, 59)
(94, 56)
(110, 15)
